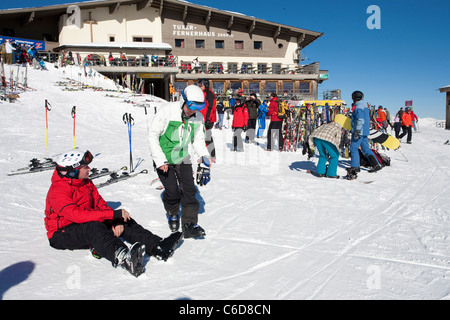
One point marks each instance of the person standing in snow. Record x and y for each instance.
(77, 217)
(327, 139)
(414, 119)
(9, 52)
(276, 124)
(175, 127)
(360, 123)
(261, 116)
(240, 124)
(209, 114)
(406, 125)
(252, 103)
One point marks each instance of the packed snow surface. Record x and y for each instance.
(273, 231)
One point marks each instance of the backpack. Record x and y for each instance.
(383, 159)
(282, 108)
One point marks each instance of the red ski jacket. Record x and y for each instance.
(73, 201)
(240, 117)
(209, 111)
(273, 109)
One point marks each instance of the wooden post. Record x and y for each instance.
(91, 22)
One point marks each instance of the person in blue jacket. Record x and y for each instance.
(360, 123)
(261, 116)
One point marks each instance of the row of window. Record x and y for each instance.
(219, 44)
(257, 87)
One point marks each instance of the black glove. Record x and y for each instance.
(245, 128)
(203, 172)
(356, 135)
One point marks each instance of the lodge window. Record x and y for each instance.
(253, 87)
(200, 44)
(232, 67)
(239, 45)
(288, 87)
(142, 39)
(271, 87)
(257, 45)
(218, 87)
(179, 43)
(262, 67)
(220, 44)
(112, 38)
(304, 87)
(276, 68)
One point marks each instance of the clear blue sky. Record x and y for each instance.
(408, 58)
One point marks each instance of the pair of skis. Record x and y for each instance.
(37, 165)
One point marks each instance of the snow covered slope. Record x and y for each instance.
(273, 232)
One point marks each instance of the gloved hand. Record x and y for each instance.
(203, 171)
(245, 128)
(356, 135)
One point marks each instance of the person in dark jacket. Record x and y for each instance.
(252, 104)
(77, 217)
(240, 124)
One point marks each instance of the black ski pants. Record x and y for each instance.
(275, 130)
(99, 235)
(406, 130)
(179, 188)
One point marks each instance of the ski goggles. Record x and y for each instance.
(192, 105)
(196, 106)
(85, 160)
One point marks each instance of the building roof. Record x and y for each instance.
(445, 89)
(305, 37)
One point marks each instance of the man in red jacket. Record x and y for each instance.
(77, 217)
(276, 124)
(210, 115)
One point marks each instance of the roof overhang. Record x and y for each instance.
(305, 37)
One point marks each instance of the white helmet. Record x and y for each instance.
(71, 161)
(194, 97)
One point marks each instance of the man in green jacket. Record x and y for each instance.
(174, 128)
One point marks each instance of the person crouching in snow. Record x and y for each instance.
(240, 123)
(326, 139)
(77, 217)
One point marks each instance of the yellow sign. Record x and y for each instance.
(151, 75)
(323, 102)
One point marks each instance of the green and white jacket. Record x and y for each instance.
(170, 135)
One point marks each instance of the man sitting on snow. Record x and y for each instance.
(77, 217)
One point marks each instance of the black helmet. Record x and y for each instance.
(204, 82)
(357, 95)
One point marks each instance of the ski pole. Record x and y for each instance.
(73, 116)
(48, 107)
(129, 121)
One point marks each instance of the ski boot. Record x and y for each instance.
(131, 259)
(191, 230)
(174, 223)
(166, 247)
(353, 169)
(351, 174)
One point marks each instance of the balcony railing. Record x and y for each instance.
(194, 66)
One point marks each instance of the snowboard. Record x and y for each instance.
(384, 139)
(344, 121)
